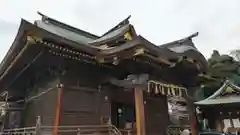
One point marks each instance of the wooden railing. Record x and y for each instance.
(73, 130)
(233, 129)
(20, 131)
(39, 129)
(128, 131)
(176, 129)
(84, 130)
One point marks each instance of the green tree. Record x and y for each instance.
(221, 67)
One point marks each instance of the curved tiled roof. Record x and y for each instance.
(219, 97)
(48, 28)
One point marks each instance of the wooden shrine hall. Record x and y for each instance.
(221, 110)
(68, 77)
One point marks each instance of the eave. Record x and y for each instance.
(140, 46)
(28, 29)
(46, 35)
(12, 52)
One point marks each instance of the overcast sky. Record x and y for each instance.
(160, 21)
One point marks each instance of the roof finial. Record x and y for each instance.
(194, 35)
(188, 38)
(44, 17)
(123, 22)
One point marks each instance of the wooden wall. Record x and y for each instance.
(80, 106)
(156, 114)
(85, 101)
(105, 105)
(43, 106)
(82, 98)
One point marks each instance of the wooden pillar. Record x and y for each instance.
(38, 126)
(140, 114)
(58, 108)
(194, 129)
(192, 115)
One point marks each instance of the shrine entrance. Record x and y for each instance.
(123, 115)
(150, 102)
(152, 106)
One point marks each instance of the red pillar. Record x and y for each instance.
(193, 117)
(58, 108)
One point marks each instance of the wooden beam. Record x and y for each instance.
(159, 59)
(140, 114)
(58, 108)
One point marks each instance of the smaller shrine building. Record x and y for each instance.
(221, 109)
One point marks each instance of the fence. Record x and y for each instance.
(73, 130)
(77, 130)
(176, 129)
(107, 129)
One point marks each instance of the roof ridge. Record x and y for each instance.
(182, 40)
(65, 26)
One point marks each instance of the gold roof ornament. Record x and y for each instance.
(127, 36)
(229, 90)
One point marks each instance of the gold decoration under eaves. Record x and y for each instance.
(229, 90)
(127, 36)
(139, 51)
(33, 39)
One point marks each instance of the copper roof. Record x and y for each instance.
(228, 93)
(48, 28)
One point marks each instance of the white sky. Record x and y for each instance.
(160, 21)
